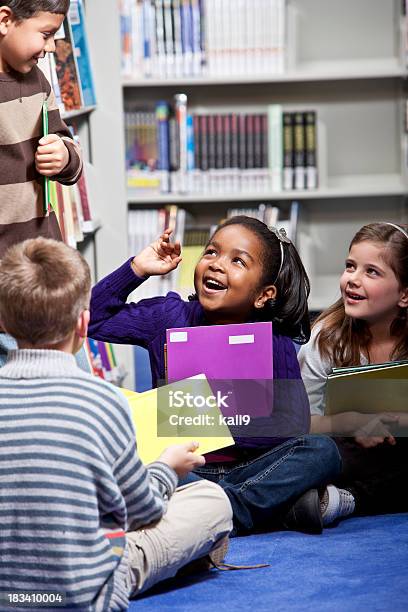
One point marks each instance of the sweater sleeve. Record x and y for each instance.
(314, 370)
(72, 171)
(114, 320)
(145, 490)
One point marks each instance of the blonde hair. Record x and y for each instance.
(44, 287)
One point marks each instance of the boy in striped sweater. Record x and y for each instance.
(27, 29)
(72, 483)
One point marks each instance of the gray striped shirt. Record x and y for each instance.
(71, 482)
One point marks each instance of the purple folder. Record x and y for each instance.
(238, 357)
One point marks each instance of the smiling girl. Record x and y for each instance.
(368, 324)
(247, 273)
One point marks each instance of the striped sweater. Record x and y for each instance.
(21, 187)
(71, 482)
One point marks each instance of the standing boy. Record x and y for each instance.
(72, 482)
(27, 29)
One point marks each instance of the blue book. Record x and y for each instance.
(163, 138)
(80, 40)
(190, 143)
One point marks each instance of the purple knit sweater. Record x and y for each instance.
(145, 323)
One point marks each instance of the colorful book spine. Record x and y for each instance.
(67, 69)
(80, 39)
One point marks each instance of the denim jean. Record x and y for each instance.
(261, 490)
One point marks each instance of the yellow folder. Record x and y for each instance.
(144, 409)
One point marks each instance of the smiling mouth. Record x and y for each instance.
(354, 296)
(213, 286)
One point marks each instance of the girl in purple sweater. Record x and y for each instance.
(247, 273)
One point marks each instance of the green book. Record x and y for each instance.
(46, 202)
(380, 387)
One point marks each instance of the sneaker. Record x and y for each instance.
(305, 515)
(217, 555)
(336, 504)
(215, 558)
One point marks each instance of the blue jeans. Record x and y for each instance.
(261, 490)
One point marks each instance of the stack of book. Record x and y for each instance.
(172, 150)
(176, 38)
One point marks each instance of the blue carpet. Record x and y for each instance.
(362, 564)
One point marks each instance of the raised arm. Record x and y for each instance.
(115, 320)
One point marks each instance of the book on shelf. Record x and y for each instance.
(81, 48)
(67, 68)
(174, 149)
(71, 204)
(167, 39)
(368, 389)
(102, 360)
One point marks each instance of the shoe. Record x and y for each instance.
(336, 504)
(217, 555)
(305, 514)
(215, 558)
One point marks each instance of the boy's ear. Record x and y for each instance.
(267, 293)
(82, 324)
(6, 17)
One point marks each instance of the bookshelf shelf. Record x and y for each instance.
(358, 186)
(81, 112)
(390, 68)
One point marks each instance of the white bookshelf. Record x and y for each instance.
(101, 133)
(390, 68)
(346, 60)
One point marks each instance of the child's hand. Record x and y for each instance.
(159, 257)
(51, 156)
(182, 458)
(376, 430)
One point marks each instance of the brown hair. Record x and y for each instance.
(44, 287)
(24, 9)
(342, 338)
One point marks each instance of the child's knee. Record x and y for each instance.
(215, 507)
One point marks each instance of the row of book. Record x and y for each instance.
(171, 150)
(102, 361)
(72, 205)
(176, 38)
(69, 69)
(146, 225)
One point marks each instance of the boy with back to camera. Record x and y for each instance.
(72, 482)
(27, 29)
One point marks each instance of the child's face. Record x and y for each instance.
(227, 277)
(369, 287)
(26, 41)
